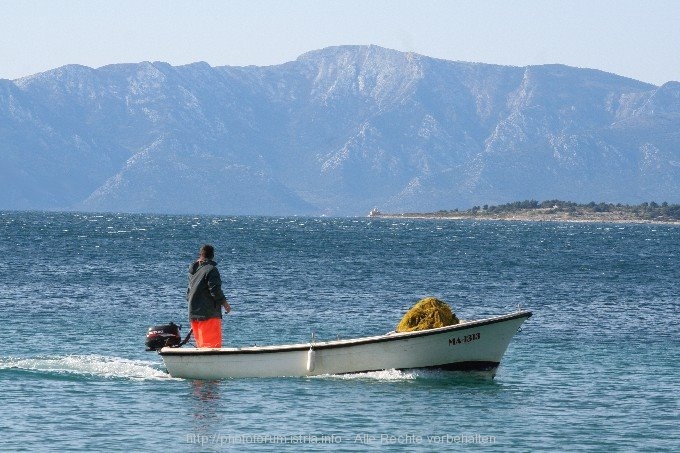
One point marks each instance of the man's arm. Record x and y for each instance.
(215, 288)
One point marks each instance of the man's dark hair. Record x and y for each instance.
(208, 251)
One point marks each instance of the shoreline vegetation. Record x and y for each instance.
(556, 211)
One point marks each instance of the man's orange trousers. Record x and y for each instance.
(208, 333)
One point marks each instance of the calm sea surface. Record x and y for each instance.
(597, 368)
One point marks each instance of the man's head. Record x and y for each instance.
(207, 252)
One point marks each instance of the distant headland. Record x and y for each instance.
(557, 210)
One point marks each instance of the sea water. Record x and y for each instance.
(596, 368)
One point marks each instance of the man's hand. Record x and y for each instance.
(227, 307)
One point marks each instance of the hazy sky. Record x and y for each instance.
(633, 38)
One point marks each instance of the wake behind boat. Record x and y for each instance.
(467, 346)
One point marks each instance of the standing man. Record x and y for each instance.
(206, 300)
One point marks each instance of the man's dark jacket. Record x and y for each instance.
(204, 292)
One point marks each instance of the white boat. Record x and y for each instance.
(468, 346)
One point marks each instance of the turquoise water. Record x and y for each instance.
(595, 369)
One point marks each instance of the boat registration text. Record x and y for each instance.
(464, 339)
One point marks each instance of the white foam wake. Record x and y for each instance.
(412, 374)
(91, 365)
(384, 375)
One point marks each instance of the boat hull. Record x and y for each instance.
(474, 345)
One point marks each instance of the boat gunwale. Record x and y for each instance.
(333, 344)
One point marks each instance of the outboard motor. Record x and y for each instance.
(164, 335)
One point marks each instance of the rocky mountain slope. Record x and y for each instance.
(337, 132)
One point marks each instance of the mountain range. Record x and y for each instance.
(336, 132)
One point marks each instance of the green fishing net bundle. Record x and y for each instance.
(428, 313)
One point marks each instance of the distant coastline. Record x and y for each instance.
(555, 211)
